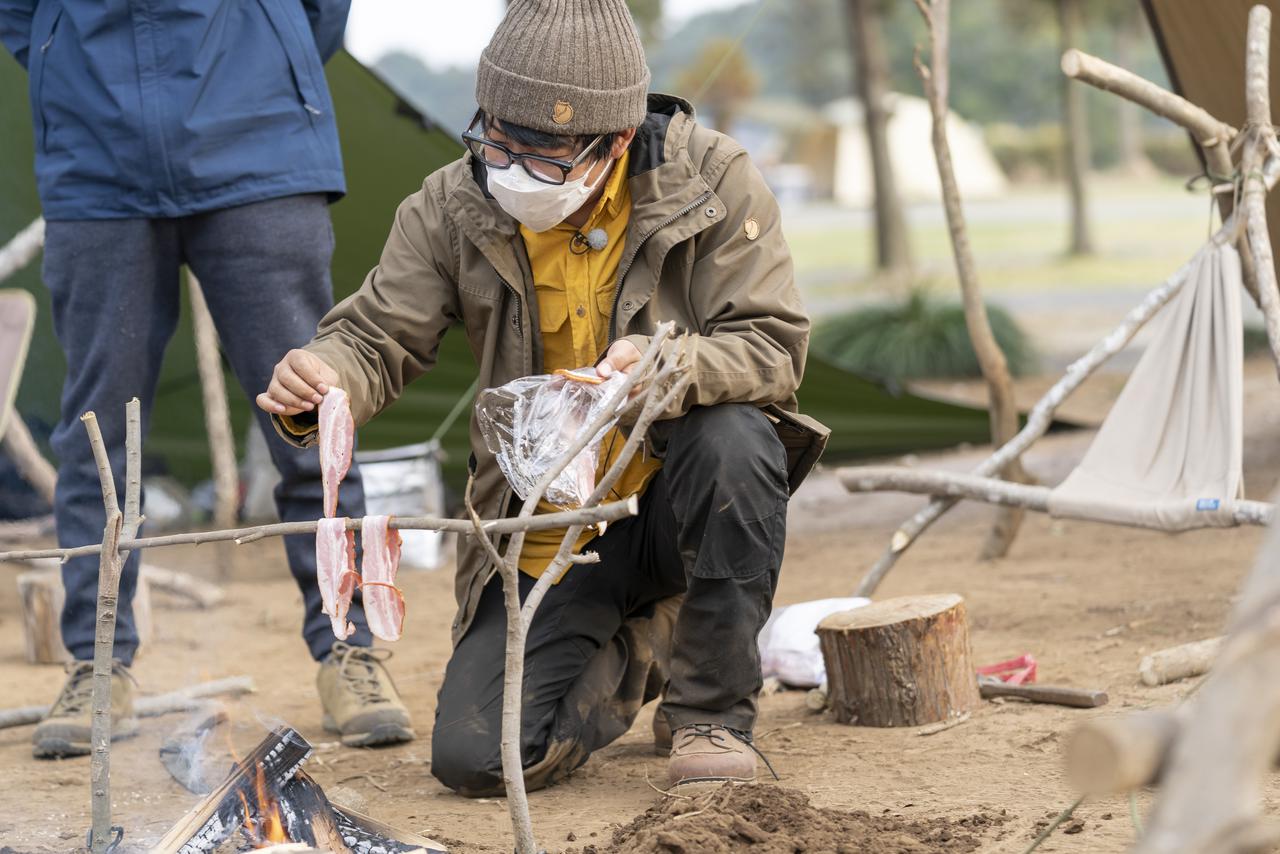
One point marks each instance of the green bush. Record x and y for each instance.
(1255, 340)
(923, 337)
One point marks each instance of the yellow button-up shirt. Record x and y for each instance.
(575, 302)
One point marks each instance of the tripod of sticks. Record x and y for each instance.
(649, 390)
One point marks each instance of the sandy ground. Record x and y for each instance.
(1087, 600)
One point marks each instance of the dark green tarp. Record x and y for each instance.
(388, 148)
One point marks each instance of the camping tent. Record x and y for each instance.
(910, 146)
(388, 147)
(1203, 53)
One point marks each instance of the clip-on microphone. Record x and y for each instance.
(596, 238)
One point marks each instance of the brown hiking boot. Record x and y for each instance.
(360, 701)
(65, 730)
(704, 753)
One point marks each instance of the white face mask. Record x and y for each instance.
(536, 205)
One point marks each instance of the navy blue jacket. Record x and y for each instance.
(163, 108)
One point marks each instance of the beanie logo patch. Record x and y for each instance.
(562, 114)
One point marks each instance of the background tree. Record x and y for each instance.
(871, 83)
(719, 80)
(1075, 131)
(1130, 27)
(648, 17)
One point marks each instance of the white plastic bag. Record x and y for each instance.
(530, 423)
(789, 645)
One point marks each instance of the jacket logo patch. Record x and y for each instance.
(752, 228)
(563, 113)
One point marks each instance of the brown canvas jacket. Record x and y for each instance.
(704, 249)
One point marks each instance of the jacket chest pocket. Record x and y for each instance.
(553, 308)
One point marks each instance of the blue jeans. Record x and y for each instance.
(115, 286)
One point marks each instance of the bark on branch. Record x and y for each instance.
(19, 251)
(991, 359)
(661, 375)
(989, 490)
(604, 513)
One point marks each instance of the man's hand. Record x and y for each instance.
(621, 357)
(298, 384)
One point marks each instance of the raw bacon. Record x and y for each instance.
(383, 601)
(336, 572)
(337, 436)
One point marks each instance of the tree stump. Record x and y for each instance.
(900, 662)
(41, 596)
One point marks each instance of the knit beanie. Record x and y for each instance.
(567, 67)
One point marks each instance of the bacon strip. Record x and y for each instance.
(383, 601)
(337, 436)
(335, 572)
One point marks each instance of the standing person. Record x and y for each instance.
(585, 212)
(197, 133)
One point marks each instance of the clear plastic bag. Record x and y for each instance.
(530, 423)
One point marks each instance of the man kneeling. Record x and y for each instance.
(584, 212)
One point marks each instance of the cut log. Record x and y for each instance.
(900, 662)
(1110, 755)
(41, 596)
(1179, 662)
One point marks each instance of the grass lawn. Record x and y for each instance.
(1143, 232)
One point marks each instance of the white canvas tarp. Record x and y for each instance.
(1169, 454)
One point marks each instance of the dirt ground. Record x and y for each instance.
(1087, 600)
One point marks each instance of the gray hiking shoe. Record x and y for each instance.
(360, 701)
(66, 729)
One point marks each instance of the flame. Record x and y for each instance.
(269, 829)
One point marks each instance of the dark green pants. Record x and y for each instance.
(711, 529)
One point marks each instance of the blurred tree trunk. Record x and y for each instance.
(871, 70)
(1075, 132)
(1133, 157)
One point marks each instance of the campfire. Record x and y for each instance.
(267, 799)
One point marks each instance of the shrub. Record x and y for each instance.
(923, 337)
(1255, 340)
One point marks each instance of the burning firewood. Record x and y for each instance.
(268, 799)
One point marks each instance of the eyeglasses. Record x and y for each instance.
(495, 155)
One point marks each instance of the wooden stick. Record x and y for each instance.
(1208, 132)
(955, 486)
(519, 618)
(1041, 416)
(182, 700)
(103, 645)
(105, 479)
(611, 512)
(19, 251)
(133, 469)
(217, 418)
(1120, 753)
(1056, 695)
(991, 359)
(1261, 145)
(1179, 662)
(32, 465)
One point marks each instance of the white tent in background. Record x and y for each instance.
(911, 150)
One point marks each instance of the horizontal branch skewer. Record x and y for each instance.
(611, 512)
(958, 485)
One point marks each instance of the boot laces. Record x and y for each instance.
(358, 668)
(711, 732)
(77, 694)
